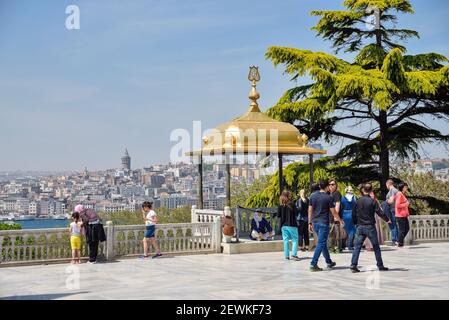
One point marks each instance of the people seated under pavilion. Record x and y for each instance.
(261, 229)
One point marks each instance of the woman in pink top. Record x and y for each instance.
(402, 213)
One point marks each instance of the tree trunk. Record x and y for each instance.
(384, 156)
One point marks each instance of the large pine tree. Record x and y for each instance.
(383, 88)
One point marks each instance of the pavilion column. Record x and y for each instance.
(311, 170)
(281, 176)
(200, 183)
(228, 181)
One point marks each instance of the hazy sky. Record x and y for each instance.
(137, 70)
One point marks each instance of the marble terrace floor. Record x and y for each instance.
(417, 272)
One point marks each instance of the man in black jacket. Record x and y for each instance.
(363, 217)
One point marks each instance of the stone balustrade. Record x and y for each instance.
(424, 228)
(205, 215)
(39, 245)
(197, 237)
(242, 218)
(53, 245)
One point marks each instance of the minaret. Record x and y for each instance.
(126, 161)
(86, 174)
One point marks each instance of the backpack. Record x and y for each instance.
(228, 228)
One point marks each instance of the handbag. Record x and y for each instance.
(228, 228)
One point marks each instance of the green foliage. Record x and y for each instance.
(122, 217)
(427, 195)
(382, 88)
(370, 56)
(425, 61)
(178, 215)
(347, 29)
(6, 226)
(296, 177)
(298, 62)
(240, 192)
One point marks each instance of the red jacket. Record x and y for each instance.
(401, 205)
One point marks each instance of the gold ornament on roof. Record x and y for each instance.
(254, 77)
(305, 139)
(255, 132)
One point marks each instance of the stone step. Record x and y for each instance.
(251, 246)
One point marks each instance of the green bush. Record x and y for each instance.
(178, 215)
(14, 226)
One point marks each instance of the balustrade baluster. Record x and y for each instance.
(1, 249)
(22, 256)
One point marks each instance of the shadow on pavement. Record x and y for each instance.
(389, 270)
(42, 296)
(398, 269)
(337, 268)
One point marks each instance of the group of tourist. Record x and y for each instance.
(87, 222)
(335, 219)
(337, 222)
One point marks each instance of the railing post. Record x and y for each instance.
(227, 212)
(217, 235)
(193, 214)
(1, 249)
(237, 223)
(409, 238)
(110, 241)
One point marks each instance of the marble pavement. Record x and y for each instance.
(417, 272)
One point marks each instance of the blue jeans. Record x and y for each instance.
(349, 228)
(362, 233)
(290, 233)
(393, 227)
(322, 231)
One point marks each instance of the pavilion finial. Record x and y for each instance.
(254, 76)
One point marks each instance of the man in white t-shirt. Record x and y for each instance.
(150, 218)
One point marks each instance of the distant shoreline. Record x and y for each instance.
(40, 223)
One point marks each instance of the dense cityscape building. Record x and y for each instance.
(46, 195)
(171, 186)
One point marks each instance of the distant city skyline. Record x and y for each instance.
(135, 72)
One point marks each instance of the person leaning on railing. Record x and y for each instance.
(93, 229)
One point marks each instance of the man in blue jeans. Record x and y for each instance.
(321, 204)
(391, 202)
(363, 217)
